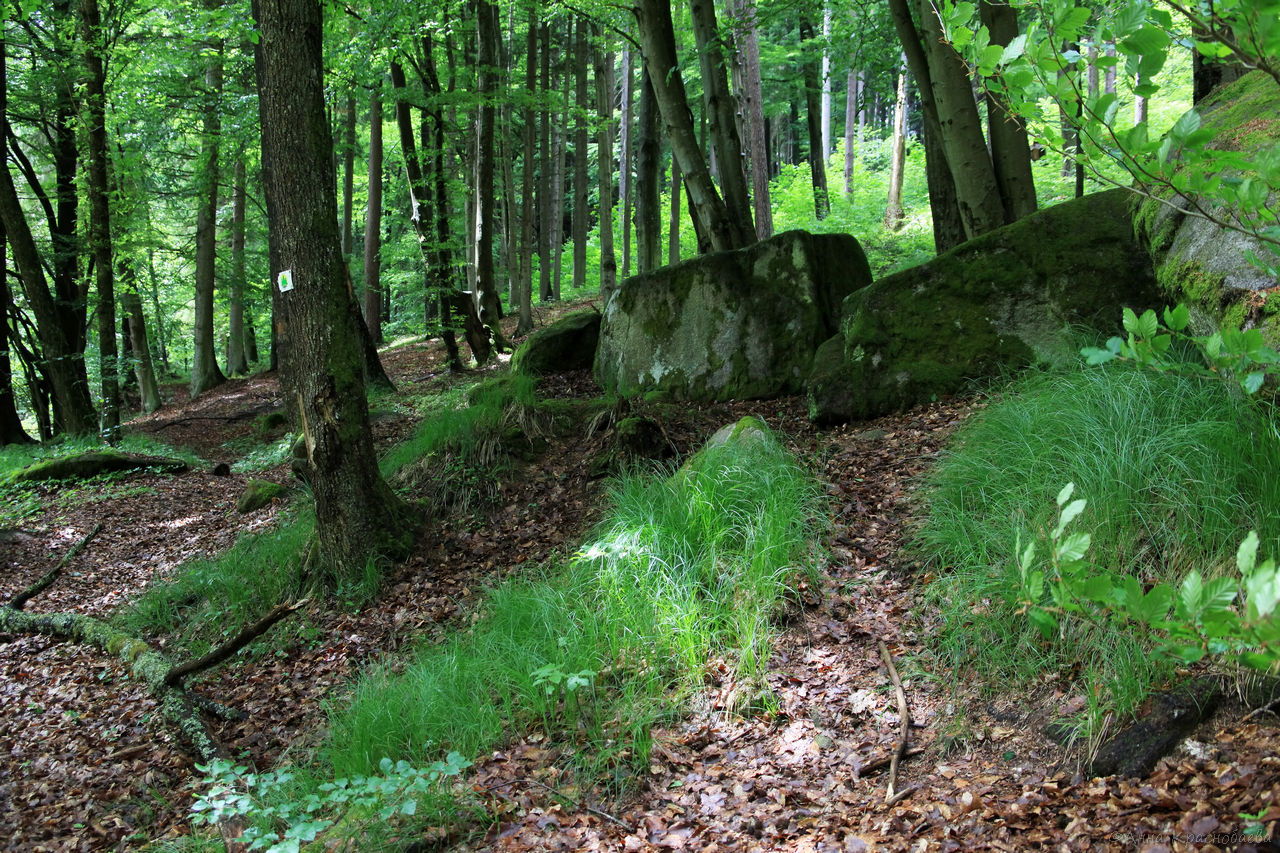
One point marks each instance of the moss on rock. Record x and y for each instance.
(257, 494)
(567, 344)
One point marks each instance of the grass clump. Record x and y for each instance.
(688, 572)
(1176, 470)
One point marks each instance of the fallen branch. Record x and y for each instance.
(235, 644)
(878, 764)
(20, 600)
(575, 803)
(904, 721)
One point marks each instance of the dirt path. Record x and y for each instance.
(85, 764)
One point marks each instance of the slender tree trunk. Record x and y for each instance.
(826, 80)
(813, 119)
(580, 158)
(1010, 147)
(358, 517)
(648, 177)
(673, 226)
(488, 304)
(624, 163)
(708, 209)
(11, 431)
(746, 35)
(100, 212)
(1139, 102)
(721, 116)
(236, 362)
(525, 286)
(205, 373)
(604, 148)
(546, 204)
(893, 213)
(348, 176)
(131, 305)
(373, 224)
(850, 128)
(558, 143)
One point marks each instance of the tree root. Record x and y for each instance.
(904, 720)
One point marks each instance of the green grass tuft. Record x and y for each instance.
(1175, 469)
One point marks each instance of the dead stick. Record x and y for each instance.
(235, 644)
(562, 795)
(20, 600)
(904, 720)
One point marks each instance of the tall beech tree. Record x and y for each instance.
(205, 373)
(358, 517)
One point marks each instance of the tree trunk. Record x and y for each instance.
(131, 305)
(813, 119)
(348, 177)
(826, 80)
(205, 373)
(746, 36)
(850, 128)
(558, 142)
(95, 39)
(604, 148)
(358, 517)
(708, 210)
(580, 158)
(624, 163)
(525, 285)
(721, 114)
(11, 431)
(61, 342)
(673, 224)
(373, 224)
(545, 188)
(1010, 147)
(648, 177)
(236, 363)
(488, 305)
(893, 213)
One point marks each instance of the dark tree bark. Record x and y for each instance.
(648, 176)
(488, 303)
(59, 313)
(581, 158)
(236, 361)
(545, 205)
(813, 116)
(604, 150)
(358, 517)
(348, 176)
(559, 141)
(131, 305)
(721, 113)
(1010, 147)
(707, 209)
(11, 431)
(673, 222)
(373, 224)
(746, 36)
(850, 127)
(205, 373)
(100, 211)
(525, 285)
(624, 162)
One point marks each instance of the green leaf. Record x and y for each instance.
(1095, 356)
(409, 807)
(1074, 547)
(1149, 40)
(1176, 319)
(1014, 49)
(1192, 592)
(1069, 488)
(1129, 321)
(1186, 123)
(1262, 591)
(1247, 553)
(1069, 514)
(1253, 381)
(1154, 606)
(1044, 621)
(1096, 588)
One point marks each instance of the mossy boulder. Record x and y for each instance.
(1202, 263)
(997, 303)
(567, 344)
(81, 466)
(257, 494)
(729, 325)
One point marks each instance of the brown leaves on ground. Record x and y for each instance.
(86, 764)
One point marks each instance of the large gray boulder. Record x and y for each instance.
(730, 325)
(1198, 261)
(1000, 302)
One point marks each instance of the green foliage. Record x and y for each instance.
(1224, 615)
(283, 815)
(1177, 469)
(1229, 184)
(1239, 356)
(685, 576)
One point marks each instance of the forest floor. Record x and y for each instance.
(87, 764)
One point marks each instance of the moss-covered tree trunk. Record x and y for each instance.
(358, 517)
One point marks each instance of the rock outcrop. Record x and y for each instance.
(730, 325)
(994, 304)
(567, 344)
